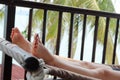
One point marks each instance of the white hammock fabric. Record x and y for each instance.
(21, 56)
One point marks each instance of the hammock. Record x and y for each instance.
(36, 68)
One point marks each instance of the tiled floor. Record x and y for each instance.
(17, 72)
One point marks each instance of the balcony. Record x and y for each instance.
(10, 71)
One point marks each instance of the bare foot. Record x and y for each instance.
(37, 48)
(40, 51)
(19, 40)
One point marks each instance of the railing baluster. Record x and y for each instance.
(59, 33)
(105, 39)
(29, 31)
(44, 26)
(30, 24)
(70, 35)
(115, 44)
(58, 36)
(6, 60)
(95, 38)
(83, 37)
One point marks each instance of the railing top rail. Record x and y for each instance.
(37, 5)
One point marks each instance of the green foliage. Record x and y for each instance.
(106, 7)
(37, 18)
(1, 13)
(52, 25)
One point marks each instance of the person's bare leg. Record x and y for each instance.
(86, 64)
(18, 39)
(40, 51)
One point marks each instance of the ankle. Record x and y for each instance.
(51, 62)
(49, 59)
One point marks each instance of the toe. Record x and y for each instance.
(16, 30)
(39, 39)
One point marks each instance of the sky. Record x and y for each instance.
(116, 5)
